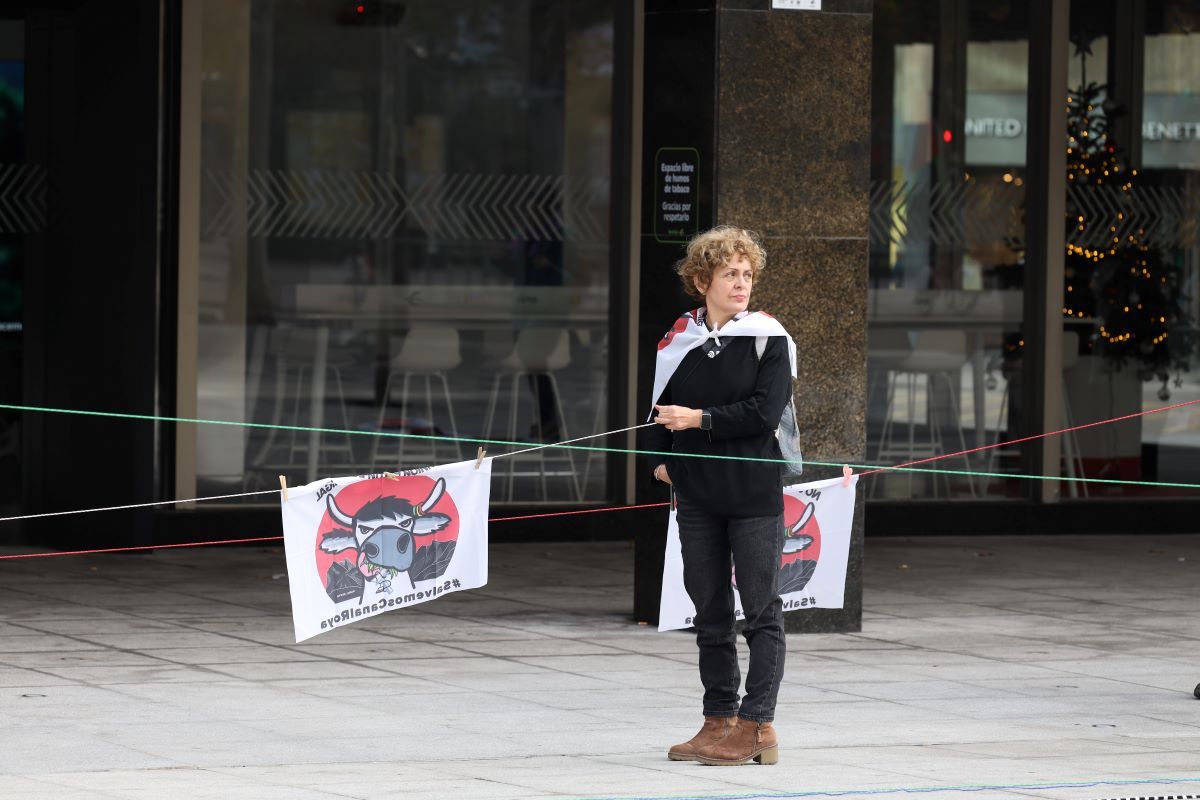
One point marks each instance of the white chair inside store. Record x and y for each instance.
(886, 351)
(537, 355)
(422, 359)
(296, 355)
(1072, 459)
(936, 359)
(303, 349)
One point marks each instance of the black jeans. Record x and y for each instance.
(755, 545)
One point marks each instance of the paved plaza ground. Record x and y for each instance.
(1052, 667)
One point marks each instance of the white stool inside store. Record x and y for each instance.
(306, 370)
(418, 370)
(536, 356)
(935, 359)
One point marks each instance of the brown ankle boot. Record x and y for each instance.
(714, 729)
(746, 741)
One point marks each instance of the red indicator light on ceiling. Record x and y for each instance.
(361, 9)
(947, 136)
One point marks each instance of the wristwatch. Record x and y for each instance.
(705, 421)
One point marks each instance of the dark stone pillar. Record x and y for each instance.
(781, 100)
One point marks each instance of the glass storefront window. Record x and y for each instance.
(1171, 164)
(947, 238)
(1133, 259)
(404, 228)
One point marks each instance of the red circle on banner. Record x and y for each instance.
(793, 510)
(411, 489)
(679, 327)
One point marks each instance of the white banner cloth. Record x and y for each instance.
(362, 545)
(817, 519)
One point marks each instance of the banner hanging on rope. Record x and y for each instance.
(817, 518)
(362, 545)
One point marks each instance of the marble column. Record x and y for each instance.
(786, 101)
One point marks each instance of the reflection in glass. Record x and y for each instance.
(947, 238)
(1130, 305)
(405, 230)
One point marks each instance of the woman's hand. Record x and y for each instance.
(660, 472)
(677, 418)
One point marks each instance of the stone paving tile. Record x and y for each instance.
(912, 690)
(226, 700)
(465, 664)
(242, 793)
(607, 663)
(373, 652)
(52, 750)
(370, 779)
(1083, 746)
(64, 703)
(237, 652)
(523, 681)
(646, 640)
(42, 643)
(176, 782)
(16, 678)
(794, 773)
(156, 639)
(595, 776)
(370, 691)
(979, 671)
(19, 786)
(72, 627)
(302, 670)
(99, 675)
(589, 700)
(1020, 667)
(80, 658)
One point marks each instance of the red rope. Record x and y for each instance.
(1030, 438)
(143, 547)
(620, 508)
(276, 538)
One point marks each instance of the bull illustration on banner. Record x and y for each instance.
(382, 531)
(817, 521)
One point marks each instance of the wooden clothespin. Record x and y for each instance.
(283, 486)
(479, 457)
(846, 473)
(391, 476)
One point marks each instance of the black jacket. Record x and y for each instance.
(745, 397)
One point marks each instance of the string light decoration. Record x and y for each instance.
(1127, 288)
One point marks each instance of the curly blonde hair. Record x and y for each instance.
(713, 249)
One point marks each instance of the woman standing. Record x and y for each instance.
(722, 379)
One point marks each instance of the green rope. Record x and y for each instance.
(621, 450)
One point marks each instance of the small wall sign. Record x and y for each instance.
(676, 193)
(796, 5)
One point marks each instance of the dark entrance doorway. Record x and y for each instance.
(18, 188)
(84, 175)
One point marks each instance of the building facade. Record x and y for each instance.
(338, 219)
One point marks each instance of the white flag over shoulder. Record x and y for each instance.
(817, 518)
(362, 545)
(690, 331)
